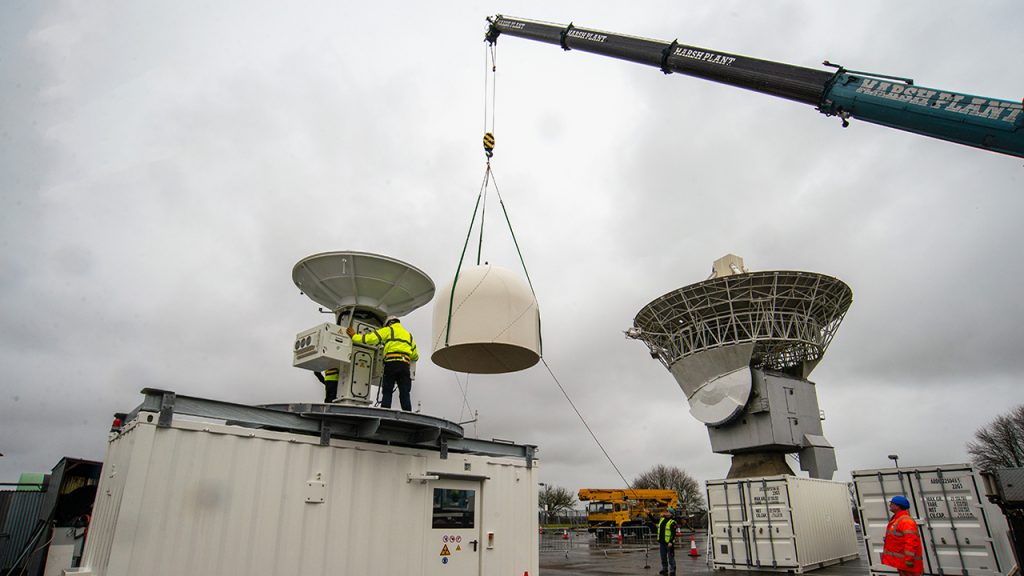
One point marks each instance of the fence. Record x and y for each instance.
(19, 520)
(575, 518)
(561, 541)
(626, 537)
(607, 540)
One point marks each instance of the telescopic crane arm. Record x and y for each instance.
(981, 122)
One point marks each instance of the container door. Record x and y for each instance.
(362, 368)
(952, 521)
(454, 542)
(957, 535)
(729, 527)
(773, 542)
(874, 488)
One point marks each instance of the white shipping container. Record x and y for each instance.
(961, 532)
(780, 523)
(258, 492)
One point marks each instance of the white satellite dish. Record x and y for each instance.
(722, 398)
(338, 280)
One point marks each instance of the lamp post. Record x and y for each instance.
(896, 460)
(543, 487)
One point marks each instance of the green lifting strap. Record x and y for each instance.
(488, 178)
(451, 296)
(540, 333)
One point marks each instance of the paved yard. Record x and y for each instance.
(581, 554)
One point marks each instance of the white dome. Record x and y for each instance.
(493, 326)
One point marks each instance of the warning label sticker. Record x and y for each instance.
(445, 552)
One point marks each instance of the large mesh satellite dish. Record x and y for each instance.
(741, 346)
(338, 280)
(788, 318)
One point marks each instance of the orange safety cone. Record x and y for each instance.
(620, 535)
(565, 534)
(693, 547)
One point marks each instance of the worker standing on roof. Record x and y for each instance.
(667, 542)
(901, 548)
(330, 381)
(399, 351)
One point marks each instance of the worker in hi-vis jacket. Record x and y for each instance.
(666, 531)
(399, 352)
(330, 381)
(901, 548)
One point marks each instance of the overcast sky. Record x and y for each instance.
(164, 165)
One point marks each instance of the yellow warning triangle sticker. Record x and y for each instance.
(458, 548)
(445, 552)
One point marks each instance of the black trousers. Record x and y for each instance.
(668, 556)
(330, 390)
(396, 373)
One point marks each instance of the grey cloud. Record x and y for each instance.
(163, 169)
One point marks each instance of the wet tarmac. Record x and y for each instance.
(580, 553)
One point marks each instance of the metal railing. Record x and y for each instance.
(561, 541)
(625, 538)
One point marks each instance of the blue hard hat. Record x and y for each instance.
(901, 501)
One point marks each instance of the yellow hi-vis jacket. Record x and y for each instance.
(398, 343)
(666, 530)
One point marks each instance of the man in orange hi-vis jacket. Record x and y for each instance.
(902, 545)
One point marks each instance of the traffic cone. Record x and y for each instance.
(565, 534)
(620, 535)
(693, 548)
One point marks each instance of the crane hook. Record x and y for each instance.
(489, 144)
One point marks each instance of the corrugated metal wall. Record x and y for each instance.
(202, 498)
(19, 517)
(823, 520)
(781, 523)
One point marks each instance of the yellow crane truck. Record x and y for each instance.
(617, 507)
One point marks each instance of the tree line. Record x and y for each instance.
(1000, 444)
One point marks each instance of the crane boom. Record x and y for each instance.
(982, 122)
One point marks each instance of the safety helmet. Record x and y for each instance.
(390, 320)
(901, 501)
